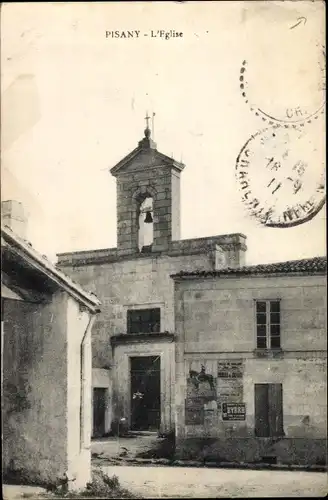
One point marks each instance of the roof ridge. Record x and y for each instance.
(309, 264)
(306, 259)
(48, 266)
(139, 149)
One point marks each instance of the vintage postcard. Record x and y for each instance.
(163, 249)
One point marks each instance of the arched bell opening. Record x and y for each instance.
(146, 224)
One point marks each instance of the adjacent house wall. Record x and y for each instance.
(13, 216)
(35, 389)
(215, 322)
(46, 433)
(79, 376)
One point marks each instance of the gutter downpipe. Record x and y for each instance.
(83, 380)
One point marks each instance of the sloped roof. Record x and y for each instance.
(157, 158)
(42, 264)
(307, 266)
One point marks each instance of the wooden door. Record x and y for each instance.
(99, 409)
(145, 393)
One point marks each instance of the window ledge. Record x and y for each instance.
(132, 338)
(268, 353)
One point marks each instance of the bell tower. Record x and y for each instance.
(148, 199)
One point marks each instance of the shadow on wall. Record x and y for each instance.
(18, 401)
(20, 476)
(297, 451)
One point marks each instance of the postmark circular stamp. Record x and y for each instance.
(281, 176)
(286, 87)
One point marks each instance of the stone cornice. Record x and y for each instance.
(193, 246)
(137, 338)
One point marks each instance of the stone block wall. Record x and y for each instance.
(127, 284)
(219, 313)
(176, 201)
(142, 282)
(160, 183)
(215, 324)
(304, 394)
(124, 282)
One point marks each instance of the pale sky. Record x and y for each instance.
(74, 101)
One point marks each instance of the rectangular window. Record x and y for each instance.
(144, 320)
(268, 410)
(268, 324)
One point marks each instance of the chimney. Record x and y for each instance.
(12, 215)
(231, 252)
(220, 258)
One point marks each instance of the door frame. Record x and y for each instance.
(121, 381)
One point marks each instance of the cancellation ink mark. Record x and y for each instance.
(278, 187)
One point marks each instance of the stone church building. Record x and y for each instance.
(133, 338)
(229, 356)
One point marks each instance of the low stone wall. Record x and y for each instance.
(300, 451)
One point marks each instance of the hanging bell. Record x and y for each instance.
(148, 218)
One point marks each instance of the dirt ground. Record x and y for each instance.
(183, 482)
(137, 445)
(13, 491)
(154, 481)
(116, 456)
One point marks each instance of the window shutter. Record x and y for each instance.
(261, 410)
(276, 410)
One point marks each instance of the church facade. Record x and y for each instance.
(230, 357)
(133, 338)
